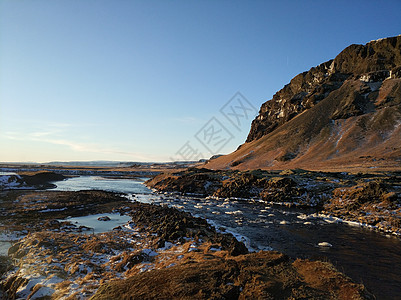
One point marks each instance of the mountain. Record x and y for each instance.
(345, 112)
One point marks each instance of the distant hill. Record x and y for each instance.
(98, 163)
(344, 112)
(95, 163)
(111, 164)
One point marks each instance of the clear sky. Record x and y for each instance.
(142, 80)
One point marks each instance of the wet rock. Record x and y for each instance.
(83, 228)
(74, 256)
(104, 218)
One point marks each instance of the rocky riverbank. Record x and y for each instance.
(29, 180)
(160, 253)
(371, 199)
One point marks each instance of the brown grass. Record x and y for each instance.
(263, 275)
(312, 140)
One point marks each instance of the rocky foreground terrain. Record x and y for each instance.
(371, 199)
(161, 253)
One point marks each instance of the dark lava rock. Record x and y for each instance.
(191, 181)
(376, 61)
(84, 228)
(281, 189)
(235, 184)
(171, 224)
(104, 218)
(242, 186)
(41, 178)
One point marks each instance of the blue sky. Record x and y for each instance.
(139, 80)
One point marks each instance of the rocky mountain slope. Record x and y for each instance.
(344, 112)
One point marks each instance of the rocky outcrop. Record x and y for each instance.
(42, 179)
(286, 187)
(303, 92)
(368, 199)
(170, 224)
(29, 180)
(343, 113)
(283, 189)
(371, 203)
(370, 63)
(197, 181)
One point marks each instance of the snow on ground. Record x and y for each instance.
(11, 181)
(61, 264)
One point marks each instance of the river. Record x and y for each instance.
(368, 257)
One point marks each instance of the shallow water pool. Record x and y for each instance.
(98, 226)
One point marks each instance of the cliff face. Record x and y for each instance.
(340, 112)
(373, 62)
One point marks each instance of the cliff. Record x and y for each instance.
(346, 111)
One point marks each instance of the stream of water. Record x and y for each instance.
(368, 257)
